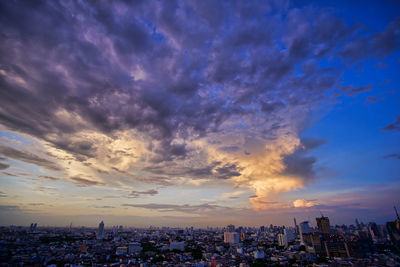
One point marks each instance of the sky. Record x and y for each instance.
(199, 113)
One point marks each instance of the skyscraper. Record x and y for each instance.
(100, 231)
(357, 224)
(289, 235)
(286, 237)
(373, 230)
(304, 229)
(33, 227)
(282, 241)
(230, 236)
(296, 228)
(393, 229)
(323, 225)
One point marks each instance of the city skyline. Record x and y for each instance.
(358, 245)
(199, 113)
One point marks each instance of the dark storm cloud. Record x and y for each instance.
(35, 204)
(83, 59)
(271, 107)
(81, 149)
(4, 166)
(102, 171)
(84, 181)
(299, 164)
(311, 143)
(103, 207)
(51, 178)
(371, 99)
(353, 90)
(227, 171)
(136, 194)
(387, 42)
(28, 157)
(394, 126)
(9, 174)
(215, 170)
(174, 170)
(395, 156)
(377, 45)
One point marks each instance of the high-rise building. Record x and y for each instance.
(323, 225)
(285, 238)
(296, 227)
(304, 229)
(373, 230)
(230, 228)
(288, 234)
(393, 229)
(357, 224)
(282, 241)
(230, 236)
(33, 227)
(100, 231)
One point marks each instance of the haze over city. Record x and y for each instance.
(199, 113)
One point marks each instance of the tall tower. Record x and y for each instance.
(357, 224)
(393, 229)
(304, 229)
(100, 231)
(296, 228)
(323, 225)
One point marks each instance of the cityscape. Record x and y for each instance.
(359, 244)
(199, 133)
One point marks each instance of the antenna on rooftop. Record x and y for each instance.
(322, 215)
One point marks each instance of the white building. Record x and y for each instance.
(282, 242)
(231, 237)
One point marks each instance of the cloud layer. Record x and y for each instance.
(169, 93)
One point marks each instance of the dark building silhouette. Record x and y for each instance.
(323, 225)
(373, 230)
(296, 227)
(393, 229)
